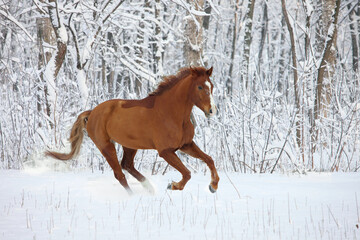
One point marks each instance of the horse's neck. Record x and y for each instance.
(177, 100)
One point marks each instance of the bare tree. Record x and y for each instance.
(50, 30)
(247, 42)
(45, 34)
(83, 55)
(295, 75)
(193, 33)
(281, 58)
(263, 34)
(326, 69)
(236, 29)
(61, 35)
(158, 48)
(206, 19)
(355, 51)
(308, 13)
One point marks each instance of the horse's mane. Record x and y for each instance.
(170, 81)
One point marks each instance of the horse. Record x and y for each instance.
(161, 121)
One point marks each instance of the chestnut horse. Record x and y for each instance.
(160, 121)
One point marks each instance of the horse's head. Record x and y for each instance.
(202, 91)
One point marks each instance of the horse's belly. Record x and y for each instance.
(131, 131)
(133, 142)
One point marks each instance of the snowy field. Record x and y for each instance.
(84, 205)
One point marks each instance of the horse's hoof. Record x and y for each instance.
(147, 185)
(129, 191)
(169, 186)
(212, 190)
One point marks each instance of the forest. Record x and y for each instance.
(286, 77)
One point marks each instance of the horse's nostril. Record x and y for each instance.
(210, 110)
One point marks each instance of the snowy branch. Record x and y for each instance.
(17, 23)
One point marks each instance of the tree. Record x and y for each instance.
(295, 76)
(158, 36)
(54, 60)
(247, 42)
(45, 34)
(263, 35)
(325, 71)
(193, 33)
(355, 51)
(233, 49)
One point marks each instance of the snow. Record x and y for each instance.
(138, 69)
(53, 13)
(330, 32)
(83, 205)
(49, 75)
(12, 19)
(87, 50)
(63, 34)
(84, 91)
(309, 8)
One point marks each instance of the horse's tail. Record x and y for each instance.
(76, 138)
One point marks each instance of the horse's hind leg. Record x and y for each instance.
(127, 163)
(109, 153)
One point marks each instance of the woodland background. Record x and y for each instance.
(286, 77)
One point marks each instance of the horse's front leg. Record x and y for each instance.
(170, 156)
(193, 150)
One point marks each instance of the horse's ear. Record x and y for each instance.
(209, 71)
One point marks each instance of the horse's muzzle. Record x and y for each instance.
(211, 112)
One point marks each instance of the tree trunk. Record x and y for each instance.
(282, 57)
(355, 51)
(229, 83)
(247, 42)
(139, 51)
(45, 33)
(295, 83)
(110, 77)
(308, 13)
(206, 19)
(194, 36)
(61, 37)
(158, 49)
(54, 64)
(263, 34)
(326, 68)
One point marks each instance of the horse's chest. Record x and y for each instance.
(172, 135)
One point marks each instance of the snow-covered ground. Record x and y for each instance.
(84, 205)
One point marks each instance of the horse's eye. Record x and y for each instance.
(200, 87)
